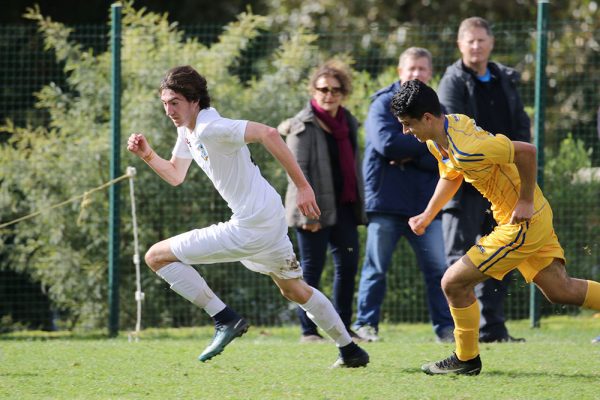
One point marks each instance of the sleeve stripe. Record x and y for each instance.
(470, 160)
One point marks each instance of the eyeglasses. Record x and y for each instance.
(335, 91)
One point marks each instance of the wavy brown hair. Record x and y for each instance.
(186, 81)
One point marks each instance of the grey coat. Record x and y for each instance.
(307, 142)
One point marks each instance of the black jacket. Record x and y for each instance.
(457, 94)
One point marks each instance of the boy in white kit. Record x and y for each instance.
(256, 234)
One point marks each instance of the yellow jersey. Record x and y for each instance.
(484, 160)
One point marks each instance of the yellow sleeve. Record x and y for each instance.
(498, 149)
(447, 173)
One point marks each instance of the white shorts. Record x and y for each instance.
(267, 250)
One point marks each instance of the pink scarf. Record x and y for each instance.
(340, 131)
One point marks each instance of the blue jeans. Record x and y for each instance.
(342, 238)
(383, 233)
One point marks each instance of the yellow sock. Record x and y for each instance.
(592, 296)
(466, 331)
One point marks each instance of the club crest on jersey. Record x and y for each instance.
(203, 152)
(292, 264)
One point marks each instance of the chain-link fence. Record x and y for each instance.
(28, 300)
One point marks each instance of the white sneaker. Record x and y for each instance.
(368, 333)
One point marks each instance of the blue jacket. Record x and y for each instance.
(400, 173)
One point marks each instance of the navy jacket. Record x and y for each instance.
(403, 188)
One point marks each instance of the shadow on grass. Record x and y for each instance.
(542, 374)
(45, 336)
(509, 374)
(194, 333)
(150, 334)
(19, 374)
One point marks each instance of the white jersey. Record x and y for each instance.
(217, 145)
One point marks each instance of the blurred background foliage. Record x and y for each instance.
(55, 145)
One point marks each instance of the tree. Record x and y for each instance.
(255, 70)
(43, 165)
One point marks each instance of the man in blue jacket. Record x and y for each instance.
(486, 91)
(400, 177)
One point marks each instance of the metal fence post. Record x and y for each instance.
(540, 117)
(115, 171)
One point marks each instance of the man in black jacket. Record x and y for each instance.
(486, 91)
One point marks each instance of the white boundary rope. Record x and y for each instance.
(83, 196)
(139, 295)
(130, 174)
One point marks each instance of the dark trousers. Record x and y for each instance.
(342, 239)
(463, 226)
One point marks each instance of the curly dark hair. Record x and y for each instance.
(186, 81)
(415, 99)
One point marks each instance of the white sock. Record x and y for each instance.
(188, 283)
(320, 310)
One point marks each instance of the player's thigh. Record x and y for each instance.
(277, 260)
(222, 242)
(509, 246)
(543, 257)
(552, 277)
(558, 287)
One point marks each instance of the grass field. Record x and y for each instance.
(557, 362)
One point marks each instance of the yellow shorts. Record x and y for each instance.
(529, 246)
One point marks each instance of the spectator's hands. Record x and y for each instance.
(306, 202)
(314, 227)
(523, 212)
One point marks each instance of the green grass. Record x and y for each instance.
(557, 362)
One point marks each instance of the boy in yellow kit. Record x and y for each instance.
(505, 173)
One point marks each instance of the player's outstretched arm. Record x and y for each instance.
(173, 171)
(444, 191)
(270, 138)
(526, 162)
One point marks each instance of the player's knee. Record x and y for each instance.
(291, 294)
(296, 291)
(449, 287)
(152, 258)
(454, 288)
